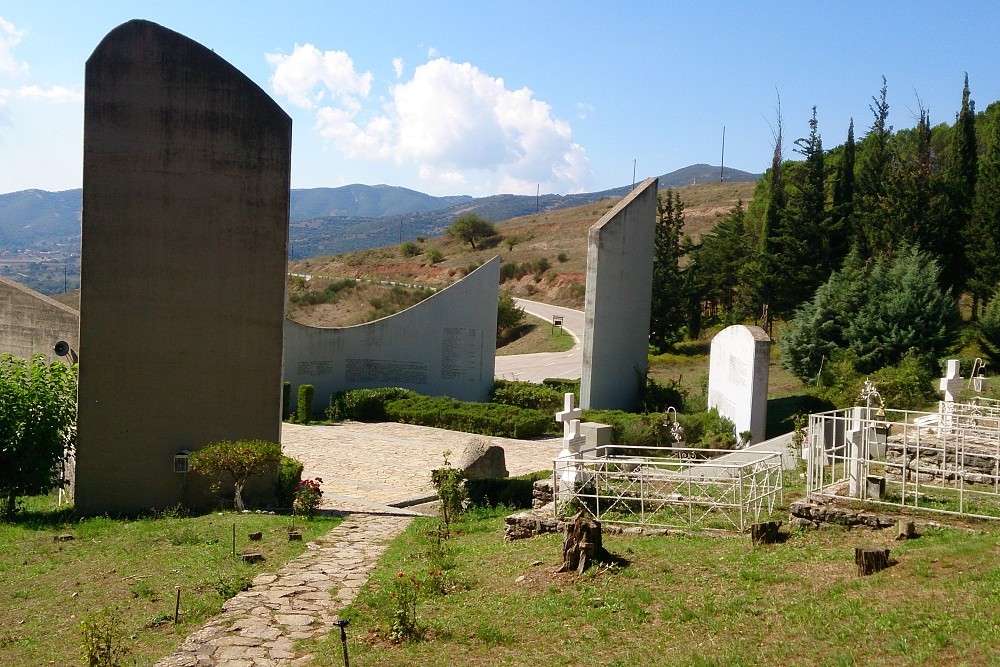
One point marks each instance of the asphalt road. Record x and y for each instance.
(537, 367)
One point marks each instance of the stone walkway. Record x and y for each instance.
(259, 627)
(368, 470)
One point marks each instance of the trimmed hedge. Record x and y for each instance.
(364, 405)
(526, 395)
(485, 418)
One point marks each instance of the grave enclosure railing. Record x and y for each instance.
(695, 489)
(946, 462)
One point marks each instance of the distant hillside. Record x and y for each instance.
(38, 219)
(698, 174)
(40, 231)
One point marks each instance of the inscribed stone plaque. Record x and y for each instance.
(737, 378)
(185, 244)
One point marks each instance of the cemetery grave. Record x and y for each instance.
(945, 462)
(681, 486)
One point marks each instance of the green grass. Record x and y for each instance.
(687, 600)
(48, 587)
(532, 337)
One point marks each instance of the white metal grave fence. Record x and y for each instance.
(672, 486)
(939, 462)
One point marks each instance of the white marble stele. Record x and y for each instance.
(737, 378)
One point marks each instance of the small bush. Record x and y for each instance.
(308, 496)
(562, 257)
(287, 480)
(657, 397)
(508, 271)
(708, 430)
(105, 643)
(239, 460)
(409, 249)
(526, 395)
(449, 483)
(513, 492)
(304, 412)
(435, 256)
(286, 400)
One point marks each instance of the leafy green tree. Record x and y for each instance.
(472, 227)
(668, 307)
(239, 460)
(509, 314)
(37, 426)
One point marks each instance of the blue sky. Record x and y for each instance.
(481, 98)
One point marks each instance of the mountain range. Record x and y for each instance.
(325, 220)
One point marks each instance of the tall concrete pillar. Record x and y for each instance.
(185, 243)
(617, 302)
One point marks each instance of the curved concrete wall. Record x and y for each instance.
(31, 323)
(619, 291)
(185, 246)
(443, 346)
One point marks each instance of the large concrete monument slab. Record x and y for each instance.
(619, 290)
(737, 378)
(32, 323)
(185, 240)
(443, 346)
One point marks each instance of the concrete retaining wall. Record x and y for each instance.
(31, 323)
(443, 346)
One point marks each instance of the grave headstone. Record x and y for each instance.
(951, 386)
(737, 378)
(567, 466)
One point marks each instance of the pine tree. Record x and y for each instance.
(668, 308)
(806, 243)
(871, 190)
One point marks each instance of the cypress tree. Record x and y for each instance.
(961, 178)
(668, 308)
(842, 208)
(871, 190)
(982, 254)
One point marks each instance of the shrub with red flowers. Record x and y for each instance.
(308, 495)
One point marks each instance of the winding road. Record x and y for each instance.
(537, 367)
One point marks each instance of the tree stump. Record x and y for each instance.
(582, 545)
(869, 561)
(256, 537)
(765, 533)
(252, 557)
(905, 530)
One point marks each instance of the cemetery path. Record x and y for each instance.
(383, 466)
(259, 627)
(365, 468)
(537, 367)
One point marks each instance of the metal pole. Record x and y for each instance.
(177, 606)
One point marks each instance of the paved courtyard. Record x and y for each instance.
(370, 466)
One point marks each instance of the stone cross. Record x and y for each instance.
(568, 414)
(951, 383)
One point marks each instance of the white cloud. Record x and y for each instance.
(4, 112)
(456, 126)
(57, 94)
(9, 38)
(397, 66)
(308, 76)
(583, 110)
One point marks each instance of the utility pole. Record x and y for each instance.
(722, 167)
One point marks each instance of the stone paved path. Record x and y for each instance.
(259, 627)
(365, 469)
